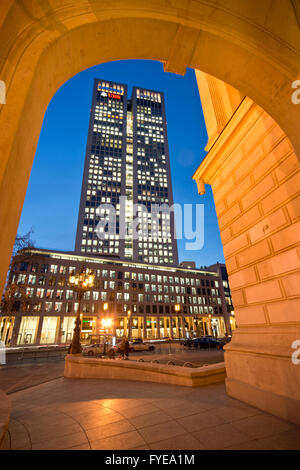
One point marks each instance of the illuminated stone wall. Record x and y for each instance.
(255, 178)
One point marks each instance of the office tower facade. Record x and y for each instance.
(104, 169)
(127, 166)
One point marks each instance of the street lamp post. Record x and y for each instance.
(129, 323)
(177, 310)
(80, 283)
(210, 326)
(106, 324)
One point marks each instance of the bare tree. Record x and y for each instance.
(23, 242)
(15, 297)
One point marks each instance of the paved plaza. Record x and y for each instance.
(116, 415)
(24, 373)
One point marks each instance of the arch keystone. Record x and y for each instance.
(182, 48)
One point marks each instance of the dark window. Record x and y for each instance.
(44, 268)
(23, 266)
(42, 281)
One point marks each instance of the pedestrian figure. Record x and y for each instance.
(111, 353)
(124, 348)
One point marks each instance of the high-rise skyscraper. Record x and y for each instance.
(127, 163)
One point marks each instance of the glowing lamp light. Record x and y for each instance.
(106, 322)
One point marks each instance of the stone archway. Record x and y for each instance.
(45, 42)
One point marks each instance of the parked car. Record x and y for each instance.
(93, 349)
(204, 342)
(226, 339)
(166, 338)
(139, 345)
(207, 342)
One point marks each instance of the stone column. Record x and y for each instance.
(194, 327)
(177, 326)
(219, 101)
(39, 331)
(171, 327)
(158, 327)
(183, 327)
(59, 330)
(15, 334)
(255, 178)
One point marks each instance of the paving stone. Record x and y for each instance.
(262, 425)
(182, 442)
(80, 447)
(150, 419)
(219, 437)
(90, 421)
(249, 445)
(129, 440)
(289, 440)
(40, 434)
(77, 414)
(107, 430)
(62, 442)
(139, 411)
(200, 421)
(233, 413)
(161, 431)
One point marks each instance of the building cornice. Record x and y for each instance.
(85, 258)
(238, 126)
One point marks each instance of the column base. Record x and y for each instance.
(278, 405)
(260, 370)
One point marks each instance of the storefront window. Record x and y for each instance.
(49, 330)
(6, 329)
(67, 329)
(28, 330)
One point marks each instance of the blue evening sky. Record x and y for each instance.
(52, 199)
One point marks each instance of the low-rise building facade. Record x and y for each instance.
(141, 300)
